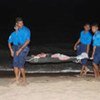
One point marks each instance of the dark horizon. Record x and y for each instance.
(50, 21)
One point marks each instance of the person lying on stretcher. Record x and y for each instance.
(57, 55)
(60, 57)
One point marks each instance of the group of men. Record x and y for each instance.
(20, 39)
(83, 45)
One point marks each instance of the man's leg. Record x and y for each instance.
(82, 70)
(84, 67)
(96, 62)
(15, 64)
(16, 71)
(21, 66)
(23, 74)
(99, 68)
(22, 58)
(86, 70)
(96, 70)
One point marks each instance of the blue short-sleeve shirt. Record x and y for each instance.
(20, 37)
(85, 37)
(96, 39)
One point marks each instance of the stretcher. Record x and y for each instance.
(60, 59)
(50, 64)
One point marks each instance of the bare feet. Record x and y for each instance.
(24, 83)
(84, 72)
(14, 81)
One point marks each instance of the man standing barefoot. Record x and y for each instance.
(83, 45)
(96, 49)
(18, 44)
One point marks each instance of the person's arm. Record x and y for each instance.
(25, 44)
(11, 50)
(88, 48)
(21, 49)
(75, 46)
(10, 40)
(94, 48)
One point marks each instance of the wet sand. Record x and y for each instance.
(51, 87)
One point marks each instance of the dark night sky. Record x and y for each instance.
(50, 21)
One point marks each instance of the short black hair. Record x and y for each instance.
(18, 19)
(95, 24)
(86, 24)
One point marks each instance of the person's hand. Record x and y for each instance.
(75, 47)
(91, 58)
(12, 53)
(18, 52)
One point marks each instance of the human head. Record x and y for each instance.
(87, 27)
(19, 22)
(95, 27)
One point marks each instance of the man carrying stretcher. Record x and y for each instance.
(83, 45)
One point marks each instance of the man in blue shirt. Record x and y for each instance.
(96, 49)
(20, 39)
(83, 45)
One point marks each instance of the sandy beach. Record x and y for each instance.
(44, 87)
